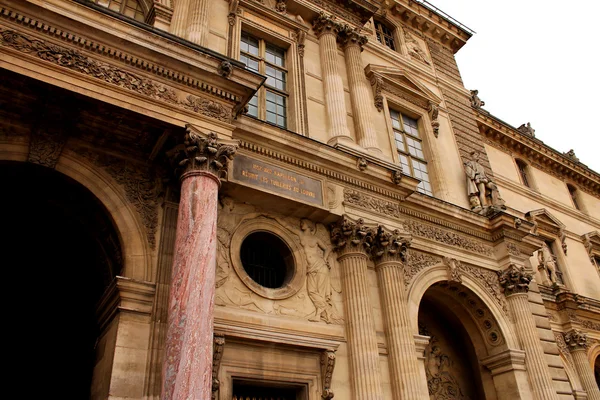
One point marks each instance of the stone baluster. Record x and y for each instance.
(515, 282)
(189, 341)
(352, 43)
(389, 255)
(327, 29)
(577, 343)
(352, 241)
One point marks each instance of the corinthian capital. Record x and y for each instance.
(576, 340)
(514, 280)
(349, 236)
(390, 246)
(324, 23)
(351, 37)
(202, 151)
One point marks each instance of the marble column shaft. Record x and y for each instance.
(189, 343)
(360, 326)
(327, 31)
(577, 343)
(359, 93)
(537, 367)
(404, 365)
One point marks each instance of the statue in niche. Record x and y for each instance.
(476, 102)
(414, 49)
(441, 383)
(319, 280)
(547, 263)
(481, 186)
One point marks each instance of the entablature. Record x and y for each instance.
(509, 139)
(431, 22)
(354, 12)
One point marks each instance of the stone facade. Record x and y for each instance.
(288, 199)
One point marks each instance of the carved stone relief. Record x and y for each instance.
(77, 61)
(142, 186)
(318, 296)
(45, 147)
(414, 48)
(416, 261)
(327, 366)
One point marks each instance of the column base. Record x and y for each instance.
(338, 141)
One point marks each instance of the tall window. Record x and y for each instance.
(523, 172)
(270, 102)
(129, 8)
(385, 35)
(573, 194)
(410, 149)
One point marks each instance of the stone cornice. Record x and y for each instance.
(431, 23)
(537, 153)
(134, 48)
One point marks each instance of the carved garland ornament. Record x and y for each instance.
(77, 61)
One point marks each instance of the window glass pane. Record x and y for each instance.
(405, 166)
(275, 77)
(249, 44)
(253, 106)
(250, 62)
(276, 109)
(385, 35)
(410, 126)
(133, 9)
(275, 55)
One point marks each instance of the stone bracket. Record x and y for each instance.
(218, 345)
(327, 366)
(506, 361)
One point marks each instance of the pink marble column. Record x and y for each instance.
(187, 368)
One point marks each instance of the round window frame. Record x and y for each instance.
(297, 275)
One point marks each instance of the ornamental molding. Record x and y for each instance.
(535, 152)
(46, 146)
(140, 182)
(547, 225)
(416, 261)
(402, 84)
(355, 12)
(396, 210)
(107, 73)
(109, 52)
(591, 241)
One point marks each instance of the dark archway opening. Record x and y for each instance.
(451, 364)
(597, 371)
(60, 251)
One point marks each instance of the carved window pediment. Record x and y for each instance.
(399, 83)
(545, 223)
(591, 242)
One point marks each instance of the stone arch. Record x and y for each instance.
(137, 263)
(439, 273)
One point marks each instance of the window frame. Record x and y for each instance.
(524, 172)
(262, 93)
(123, 6)
(575, 198)
(392, 35)
(420, 138)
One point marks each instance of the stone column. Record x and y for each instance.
(352, 241)
(198, 21)
(389, 255)
(189, 342)
(359, 89)
(327, 29)
(577, 343)
(515, 282)
(179, 22)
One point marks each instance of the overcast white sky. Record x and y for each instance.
(536, 61)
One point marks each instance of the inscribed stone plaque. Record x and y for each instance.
(262, 175)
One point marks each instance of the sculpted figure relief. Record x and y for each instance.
(480, 187)
(441, 383)
(547, 263)
(319, 282)
(414, 49)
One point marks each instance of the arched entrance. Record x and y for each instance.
(597, 370)
(61, 251)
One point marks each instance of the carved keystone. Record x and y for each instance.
(390, 246)
(203, 152)
(514, 280)
(350, 236)
(576, 340)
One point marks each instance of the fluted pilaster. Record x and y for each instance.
(179, 22)
(327, 29)
(359, 89)
(199, 22)
(515, 282)
(389, 255)
(577, 343)
(352, 241)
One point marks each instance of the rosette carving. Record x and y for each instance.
(576, 340)
(203, 152)
(514, 280)
(352, 236)
(390, 246)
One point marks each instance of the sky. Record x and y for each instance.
(536, 61)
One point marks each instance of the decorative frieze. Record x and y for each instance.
(45, 147)
(417, 261)
(79, 62)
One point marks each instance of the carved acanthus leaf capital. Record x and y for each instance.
(514, 280)
(203, 152)
(324, 23)
(349, 236)
(351, 37)
(576, 340)
(390, 246)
